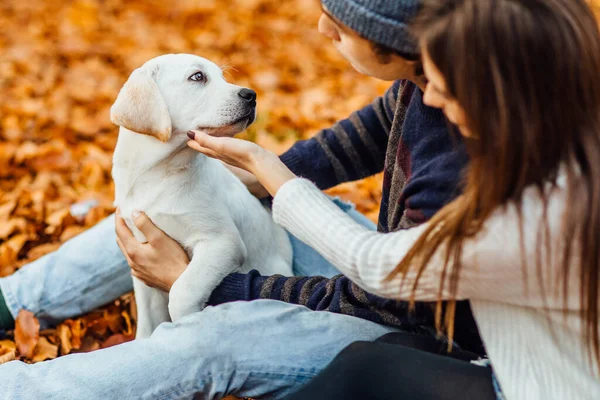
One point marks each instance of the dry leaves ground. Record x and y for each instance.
(62, 65)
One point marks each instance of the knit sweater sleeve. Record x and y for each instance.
(491, 263)
(337, 294)
(352, 149)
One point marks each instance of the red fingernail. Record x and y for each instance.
(191, 135)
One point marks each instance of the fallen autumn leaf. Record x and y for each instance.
(27, 333)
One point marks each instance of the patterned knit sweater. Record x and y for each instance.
(422, 164)
(397, 133)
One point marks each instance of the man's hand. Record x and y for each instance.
(157, 263)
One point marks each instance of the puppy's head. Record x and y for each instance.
(175, 93)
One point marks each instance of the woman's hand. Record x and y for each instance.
(159, 262)
(238, 153)
(268, 169)
(250, 181)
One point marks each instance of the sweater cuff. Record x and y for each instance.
(293, 161)
(232, 288)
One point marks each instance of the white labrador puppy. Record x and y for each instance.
(194, 199)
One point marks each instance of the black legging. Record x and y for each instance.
(400, 366)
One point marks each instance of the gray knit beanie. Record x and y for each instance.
(381, 21)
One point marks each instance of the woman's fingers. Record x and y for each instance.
(194, 145)
(202, 138)
(206, 151)
(206, 141)
(237, 152)
(210, 145)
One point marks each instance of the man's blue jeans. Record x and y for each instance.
(256, 349)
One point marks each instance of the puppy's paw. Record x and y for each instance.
(177, 311)
(181, 303)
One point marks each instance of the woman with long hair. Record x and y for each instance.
(520, 80)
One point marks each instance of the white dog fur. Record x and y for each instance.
(194, 199)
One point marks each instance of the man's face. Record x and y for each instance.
(359, 52)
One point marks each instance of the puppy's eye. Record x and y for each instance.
(198, 77)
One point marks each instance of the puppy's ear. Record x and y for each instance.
(141, 108)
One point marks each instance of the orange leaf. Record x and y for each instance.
(8, 356)
(58, 217)
(7, 345)
(44, 350)
(8, 257)
(113, 319)
(17, 242)
(12, 226)
(116, 339)
(128, 325)
(71, 232)
(78, 330)
(27, 333)
(98, 326)
(94, 216)
(8, 351)
(42, 250)
(7, 208)
(64, 336)
(88, 344)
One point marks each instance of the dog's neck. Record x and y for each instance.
(136, 154)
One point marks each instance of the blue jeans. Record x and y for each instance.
(261, 348)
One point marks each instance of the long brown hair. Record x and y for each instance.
(527, 74)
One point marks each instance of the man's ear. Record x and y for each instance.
(141, 108)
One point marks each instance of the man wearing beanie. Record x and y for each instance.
(385, 23)
(262, 348)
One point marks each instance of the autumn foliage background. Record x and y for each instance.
(62, 64)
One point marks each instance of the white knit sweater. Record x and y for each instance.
(535, 354)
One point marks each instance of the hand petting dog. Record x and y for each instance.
(268, 169)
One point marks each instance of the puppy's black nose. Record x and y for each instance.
(247, 94)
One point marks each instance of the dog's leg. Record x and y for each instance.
(152, 308)
(212, 261)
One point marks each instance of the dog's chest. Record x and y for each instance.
(180, 202)
(157, 187)
(137, 193)
(193, 207)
